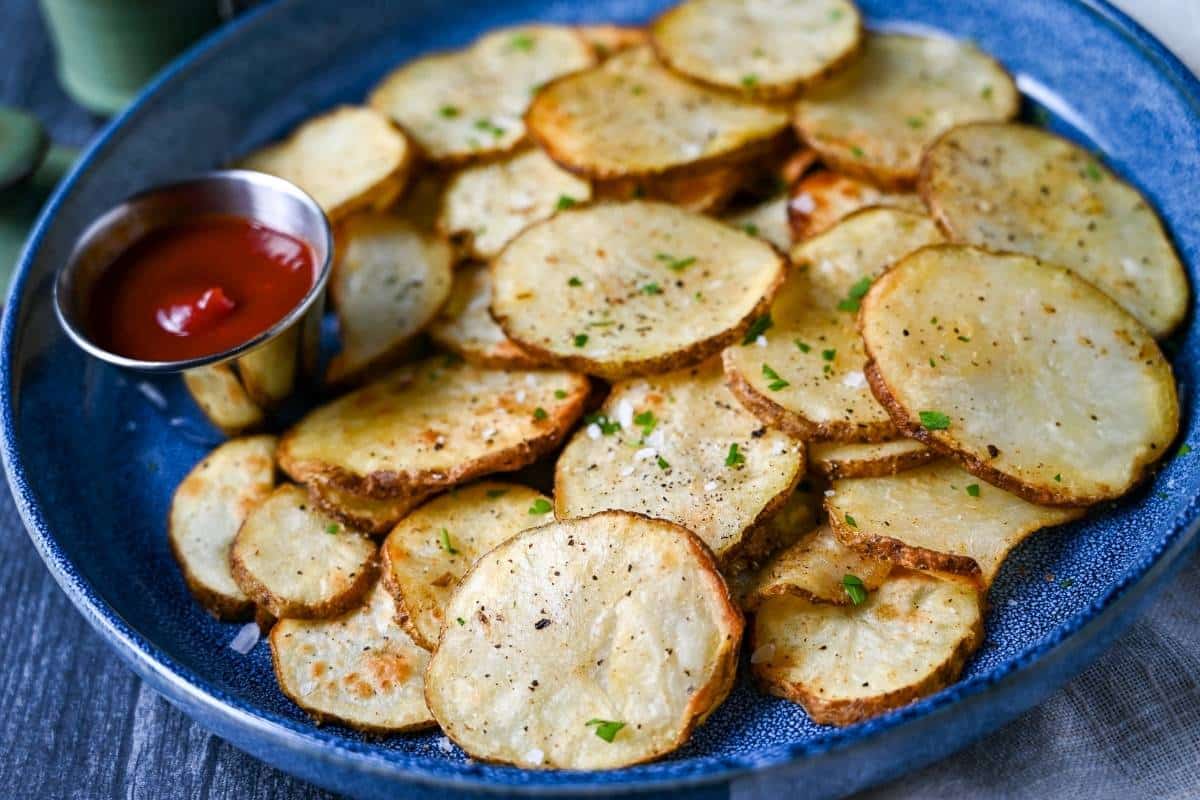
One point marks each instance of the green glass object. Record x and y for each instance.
(108, 49)
(22, 144)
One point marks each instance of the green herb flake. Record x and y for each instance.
(986, 92)
(857, 151)
(646, 421)
(581, 339)
(488, 126)
(332, 528)
(607, 426)
(444, 539)
(565, 201)
(1058, 478)
(651, 288)
(539, 414)
(606, 729)
(540, 506)
(460, 620)
(1093, 172)
(560, 394)
(973, 490)
(829, 355)
(835, 15)
(855, 589)
(1184, 449)
(933, 363)
(750, 228)
(850, 521)
(734, 457)
(915, 122)
(804, 348)
(449, 112)
(854, 297)
(749, 81)
(934, 420)
(574, 281)
(675, 264)
(522, 41)
(757, 328)
(494, 493)
(663, 464)
(776, 382)
(964, 338)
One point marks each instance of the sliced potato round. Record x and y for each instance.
(631, 117)
(679, 447)
(467, 104)
(845, 664)
(805, 375)
(798, 515)
(347, 160)
(1030, 377)
(703, 190)
(223, 399)
(427, 554)
(815, 568)
(586, 644)
(608, 40)
(623, 289)
(465, 325)
(1019, 188)
(268, 373)
(432, 425)
(206, 511)
(296, 562)
(765, 48)
(937, 517)
(821, 199)
(486, 205)
(360, 669)
(874, 119)
(366, 514)
(767, 220)
(389, 282)
(867, 460)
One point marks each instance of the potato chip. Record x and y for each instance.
(623, 289)
(1018, 188)
(815, 568)
(821, 199)
(703, 191)
(427, 554)
(867, 460)
(223, 399)
(465, 325)
(206, 511)
(794, 519)
(586, 644)
(1030, 377)
(874, 119)
(268, 373)
(608, 40)
(366, 514)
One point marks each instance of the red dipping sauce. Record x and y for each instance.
(199, 288)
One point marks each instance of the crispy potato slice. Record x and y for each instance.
(586, 644)
(766, 48)
(360, 669)
(223, 399)
(468, 104)
(845, 664)
(465, 325)
(798, 515)
(269, 372)
(296, 562)
(427, 554)
(348, 159)
(611, 290)
(823, 198)
(432, 425)
(767, 220)
(805, 376)
(875, 118)
(815, 568)
(366, 514)
(389, 283)
(421, 203)
(631, 117)
(206, 511)
(1019, 188)
(1029, 376)
(937, 517)
(703, 191)
(679, 447)
(486, 205)
(608, 40)
(867, 460)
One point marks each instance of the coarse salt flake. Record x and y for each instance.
(708, 487)
(625, 413)
(644, 453)
(625, 473)
(761, 341)
(535, 756)
(804, 203)
(855, 380)
(593, 431)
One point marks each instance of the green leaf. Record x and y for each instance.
(973, 490)
(565, 201)
(1093, 172)
(857, 151)
(750, 228)
(646, 421)
(856, 590)
(494, 493)
(734, 457)
(332, 528)
(675, 264)
(776, 382)
(757, 328)
(651, 288)
(606, 729)
(580, 339)
(749, 81)
(522, 41)
(606, 425)
(804, 348)
(560, 394)
(1184, 449)
(540, 506)
(539, 414)
(449, 112)
(829, 355)
(663, 464)
(574, 281)
(460, 620)
(934, 420)
(851, 522)
(854, 297)
(444, 538)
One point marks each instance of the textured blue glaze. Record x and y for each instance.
(92, 455)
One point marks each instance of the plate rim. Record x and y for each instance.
(186, 689)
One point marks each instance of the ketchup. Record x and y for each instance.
(199, 288)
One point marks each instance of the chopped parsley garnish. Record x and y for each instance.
(1184, 449)
(651, 288)
(986, 93)
(932, 363)
(540, 506)
(804, 348)
(606, 425)
(750, 228)
(964, 338)
(934, 420)
(734, 457)
(449, 112)
(460, 620)
(835, 15)
(1058, 478)
(522, 41)
(444, 538)
(776, 382)
(560, 394)
(915, 122)
(494, 493)
(539, 414)
(490, 127)
(1092, 171)
(675, 264)
(332, 528)
(850, 521)
(581, 339)
(829, 355)
(574, 281)
(662, 464)
(749, 81)
(973, 489)
(565, 201)
(606, 729)
(854, 297)
(757, 328)
(637, 88)
(646, 421)
(855, 589)
(857, 151)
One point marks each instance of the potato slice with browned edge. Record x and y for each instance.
(1029, 376)
(388, 284)
(486, 205)
(1019, 188)
(348, 159)
(631, 117)
(206, 511)
(703, 191)
(767, 220)
(798, 515)
(359, 669)
(296, 562)
(268, 372)
(816, 568)
(427, 554)
(366, 514)
(835, 460)
(608, 40)
(223, 399)
(937, 517)
(585, 644)
(824, 198)
(844, 664)
(679, 447)
(874, 119)
(432, 425)
(467, 104)
(621, 289)
(763, 48)
(465, 325)
(804, 374)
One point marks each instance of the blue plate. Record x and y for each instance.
(93, 455)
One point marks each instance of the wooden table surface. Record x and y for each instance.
(75, 722)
